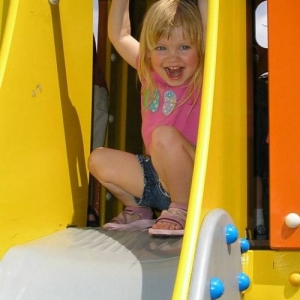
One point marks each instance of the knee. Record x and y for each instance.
(96, 160)
(164, 137)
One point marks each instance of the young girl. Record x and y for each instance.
(169, 61)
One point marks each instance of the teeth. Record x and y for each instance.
(174, 71)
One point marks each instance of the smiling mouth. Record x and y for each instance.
(174, 72)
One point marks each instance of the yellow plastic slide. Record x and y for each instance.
(220, 174)
(45, 109)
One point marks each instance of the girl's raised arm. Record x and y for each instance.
(119, 32)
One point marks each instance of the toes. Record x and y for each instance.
(166, 225)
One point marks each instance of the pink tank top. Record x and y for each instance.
(170, 107)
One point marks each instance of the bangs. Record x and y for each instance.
(166, 25)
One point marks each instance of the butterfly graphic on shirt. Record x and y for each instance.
(169, 101)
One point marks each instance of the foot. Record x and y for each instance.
(132, 218)
(166, 225)
(93, 218)
(171, 222)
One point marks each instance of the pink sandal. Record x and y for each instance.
(176, 214)
(132, 218)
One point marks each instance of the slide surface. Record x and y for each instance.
(91, 263)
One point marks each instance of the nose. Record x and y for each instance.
(173, 56)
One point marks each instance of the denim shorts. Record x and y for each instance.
(153, 195)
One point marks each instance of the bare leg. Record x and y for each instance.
(118, 171)
(173, 159)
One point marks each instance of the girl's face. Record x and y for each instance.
(175, 59)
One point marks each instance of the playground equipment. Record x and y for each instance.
(45, 108)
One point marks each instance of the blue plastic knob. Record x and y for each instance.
(232, 234)
(216, 288)
(245, 245)
(244, 281)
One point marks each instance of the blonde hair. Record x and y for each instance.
(161, 20)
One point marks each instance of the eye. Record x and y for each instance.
(184, 47)
(160, 48)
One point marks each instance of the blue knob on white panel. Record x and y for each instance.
(245, 245)
(244, 282)
(216, 288)
(232, 234)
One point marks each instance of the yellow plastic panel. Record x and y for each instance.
(226, 178)
(219, 179)
(270, 272)
(45, 108)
